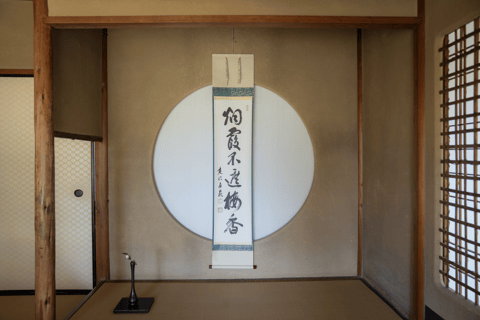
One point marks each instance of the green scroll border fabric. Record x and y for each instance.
(231, 92)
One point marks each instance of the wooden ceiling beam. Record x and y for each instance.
(269, 21)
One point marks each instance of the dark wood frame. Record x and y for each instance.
(44, 161)
(419, 74)
(102, 248)
(273, 21)
(459, 120)
(74, 136)
(61, 292)
(360, 153)
(16, 72)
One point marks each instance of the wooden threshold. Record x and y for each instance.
(385, 298)
(240, 280)
(85, 300)
(275, 21)
(58, 292)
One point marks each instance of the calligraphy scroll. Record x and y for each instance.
(232, 241)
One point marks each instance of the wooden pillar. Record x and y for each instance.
(419, 68)
(102, 248)
(360, 154)
(44, 167)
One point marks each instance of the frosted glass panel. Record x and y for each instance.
(73, 171)
(73, 215)
(17, 156)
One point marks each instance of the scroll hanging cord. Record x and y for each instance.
(233, 40)
(239, 60)
(239, 70)
(226, 61)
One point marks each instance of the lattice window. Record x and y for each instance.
(460, 257)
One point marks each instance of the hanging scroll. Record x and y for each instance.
(232, 241)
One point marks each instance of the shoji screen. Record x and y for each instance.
(17, 146)
(73, 214)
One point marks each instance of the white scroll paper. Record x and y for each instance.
(232, 130)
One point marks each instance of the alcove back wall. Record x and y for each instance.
(151, 70)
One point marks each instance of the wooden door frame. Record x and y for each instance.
(44, 159)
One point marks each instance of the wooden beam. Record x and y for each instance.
(360, 154)
(419, 72)
(102, 248)
(44, 166)
(15, 72)
(306, 279)
(75, 136)
(233, 21)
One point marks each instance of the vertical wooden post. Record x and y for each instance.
(102, 249)
(419, 67)
(360, 153)
(44, 167)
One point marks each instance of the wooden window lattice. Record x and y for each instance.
(460, 226)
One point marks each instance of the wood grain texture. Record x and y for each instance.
(102, 247)
(44, 166)
(12, 72)
(419, 67)
(360, 152)
(240, 280)
(234, 21)
(74, 136)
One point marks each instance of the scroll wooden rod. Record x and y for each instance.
(274, 21)
(210, 267)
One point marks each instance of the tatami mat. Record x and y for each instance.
(339, 299)
(23, 307)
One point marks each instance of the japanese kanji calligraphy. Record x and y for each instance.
(233, 203)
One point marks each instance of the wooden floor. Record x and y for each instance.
(339, 299)
(23, 307)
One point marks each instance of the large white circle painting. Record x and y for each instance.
(282, 162)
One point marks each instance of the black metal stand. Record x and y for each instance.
(133, 304)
